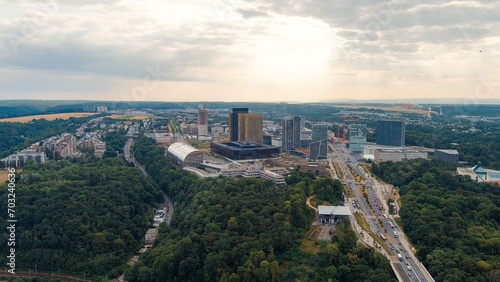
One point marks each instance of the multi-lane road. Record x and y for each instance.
(410, 269)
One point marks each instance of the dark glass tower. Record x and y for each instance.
(391, 133)
(233, 122)
(290, 133)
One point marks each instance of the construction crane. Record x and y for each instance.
(343, 128)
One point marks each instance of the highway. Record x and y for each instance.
(129, 156)
(410, 268)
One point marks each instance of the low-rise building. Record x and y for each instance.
(275, 177)
(385, 155)
(99, 149)
(397, 155)
(160, 137)
(185, 155)
(449, 156)
(332, 214)
(22, 157)
(480, 174)
(291, 163)
(151, 235)
(255, 170)
(244, 150)
(217, 131)
(412, 154)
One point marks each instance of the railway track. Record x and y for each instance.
(44, 275)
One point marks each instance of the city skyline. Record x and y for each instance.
(249, 50)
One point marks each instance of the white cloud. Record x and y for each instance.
(281, 49)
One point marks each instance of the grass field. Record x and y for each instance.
(309, 246)
(4, 175)
(388, 109)
(27, 119)
(313, 233)
(364, 225)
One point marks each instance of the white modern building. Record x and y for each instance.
(24, 156)
(397, 155)
(330, 214)
(185, 155)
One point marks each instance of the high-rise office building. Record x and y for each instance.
(391, 133)
(357, 137)
(290, 133)
(250, 127)
(203, 122)
(318, 149)
(233, 122)
(302, 123)
(319, 132)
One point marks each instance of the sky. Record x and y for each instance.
(249, 50)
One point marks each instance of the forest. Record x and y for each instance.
(228, 229)
(16, 135)
(79, 217)
(473, 147)
(115, 141)
(453, 221)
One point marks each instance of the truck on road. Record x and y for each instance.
(400, 257)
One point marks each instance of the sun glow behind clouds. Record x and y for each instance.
(261, 50)
(292, 50)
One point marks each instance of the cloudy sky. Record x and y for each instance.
(249, 50)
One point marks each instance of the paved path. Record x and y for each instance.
(308, 203)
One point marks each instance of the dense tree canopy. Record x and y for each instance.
(453, 221)
(79, 217)
(115, 140)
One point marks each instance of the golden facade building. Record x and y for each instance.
(250, 127)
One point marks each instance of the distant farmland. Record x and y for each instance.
(47, 117)
(4, 175)
(388, 109)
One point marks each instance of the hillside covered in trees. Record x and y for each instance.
(453, 221)
(79, 217)
(228, 229)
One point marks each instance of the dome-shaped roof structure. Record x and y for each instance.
(185, 154)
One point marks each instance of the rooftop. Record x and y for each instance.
(334, 210)
(152, 231)
(451, 152)
(243, 145)
(181, 150)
